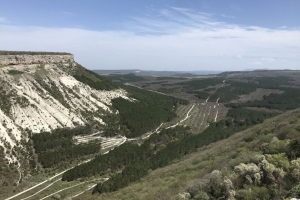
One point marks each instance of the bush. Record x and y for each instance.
(276, 147)
(295, 169)
(254, 193)
(279, 160)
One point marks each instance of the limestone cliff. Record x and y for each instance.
(41, 93)
(34, 59)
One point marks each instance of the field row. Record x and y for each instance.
(200, 116)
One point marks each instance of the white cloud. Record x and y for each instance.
(268, 59)
(254, 63)
(175, 40)
(3, 20)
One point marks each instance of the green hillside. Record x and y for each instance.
(260, 162)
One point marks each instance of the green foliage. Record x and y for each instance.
(175, 149)
(232, 91)
(67, 153)
(293, 150)
(274, 82)
(115, 160)
(201, 196)
(295, 191)
(5, 100)
(167, 90)
(147, 113)
(112, 124)
(276, 147)
(209, 89)
(170, 78)
(93, 79)
(53, 148)
(201, 94)
(32, 164)
(249, 117)
(14, 72)
(200, 83)
(295, 169)
(290, 99)
(279, 160)
(130, 174)
(253, 194)
(127, 154)
(178, 148)
(211, 185)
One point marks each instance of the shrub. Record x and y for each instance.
(276, 147)
(295, 169)
(279, 160)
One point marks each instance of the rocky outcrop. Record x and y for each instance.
(34, 59)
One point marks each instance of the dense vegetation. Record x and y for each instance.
(147, 113)
(274, 82)
(177, 149)
(15, 72)
(58, 146)
(228, 93)
(5, 96)
(248, 117)
(170, 78)
(93, 79)
(125, 155)
(200, 83)
(173, 150)
(167, 90)
(290, 99)
(200, 94)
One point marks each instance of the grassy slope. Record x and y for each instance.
(167, 182)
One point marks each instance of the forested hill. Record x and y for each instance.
(259, 163)
(148, 111)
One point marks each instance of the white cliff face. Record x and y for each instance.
(33, 107)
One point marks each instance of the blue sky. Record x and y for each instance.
(158, 34)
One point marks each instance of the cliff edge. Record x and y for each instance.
(27, 58)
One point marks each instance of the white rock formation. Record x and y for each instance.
(39, 110)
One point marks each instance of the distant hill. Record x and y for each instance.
(155, 73)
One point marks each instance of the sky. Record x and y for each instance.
(173, 35)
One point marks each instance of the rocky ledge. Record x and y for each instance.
(27, 59)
